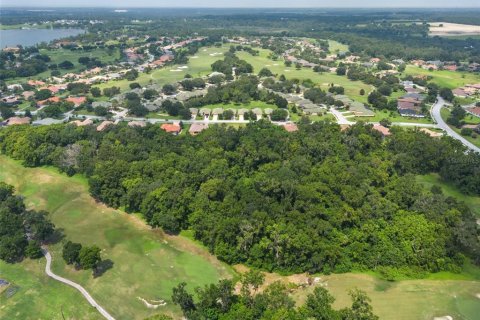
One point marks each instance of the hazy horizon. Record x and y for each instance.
(241, 4)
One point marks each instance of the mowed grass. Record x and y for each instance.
(407, 299)
(323, 80)
(430, 180)
(146, 263)
(336, 47)
(38, 296)
(445, 78)
(198, 65)
(393, 116)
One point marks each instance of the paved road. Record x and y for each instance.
(442, 125)
(84, 292)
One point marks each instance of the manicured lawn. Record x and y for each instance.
(434, 179)
(146, 263)
(407, 299)
(59, 55)
(393, 116)
(38, 296)
(445, 78)
(196, 67)
(323, 80)
(250, 105)
(335, 46)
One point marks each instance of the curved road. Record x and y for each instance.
(442, 125)
(84, 292)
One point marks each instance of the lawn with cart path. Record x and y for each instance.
(146, 263)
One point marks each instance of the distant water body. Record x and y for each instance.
(30, 37)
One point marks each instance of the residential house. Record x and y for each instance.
(290, 127)
(196, 128)
(173, 128)
(102, 126)
(17, 121)
(383, 130)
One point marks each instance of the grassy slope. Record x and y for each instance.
(147, 264)
(445, 78)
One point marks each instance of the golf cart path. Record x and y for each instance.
(84, 292)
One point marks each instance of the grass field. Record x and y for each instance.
(392, 116)
(408, 299)
(40, 296)
(352, 88)
(449, 190)
(146, 263)
(445, 78)
(59, 55)
(335, 46)
(199, 66)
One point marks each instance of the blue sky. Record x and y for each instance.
(240, 3)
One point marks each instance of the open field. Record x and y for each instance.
(146, 263)
(443, 29)
(336, 47)
(434, 179)
(323, 80)
(407, 299)
(39, 295)
(60, 55)
(199, 66)
(444, 78)
(400, 300)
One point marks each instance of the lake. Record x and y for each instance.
(30, 37)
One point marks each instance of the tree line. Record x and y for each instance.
(318, 200)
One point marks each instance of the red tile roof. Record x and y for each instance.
(76, 100)
(290, 127)
(171, 127)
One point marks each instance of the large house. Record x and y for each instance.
(410, 105)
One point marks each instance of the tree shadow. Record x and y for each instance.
(102, 267)
(56, 236)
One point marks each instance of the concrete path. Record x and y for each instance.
(84, 292)
(436, 115)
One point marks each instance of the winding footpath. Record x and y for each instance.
(84, 292)
(436, 108)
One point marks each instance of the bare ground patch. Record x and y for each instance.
(453, 29)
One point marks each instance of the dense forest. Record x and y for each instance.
(22, 231)
(320, 199)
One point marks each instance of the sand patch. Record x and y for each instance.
(443, 318)
(43, 178)
(154, 305)
(453, 29)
